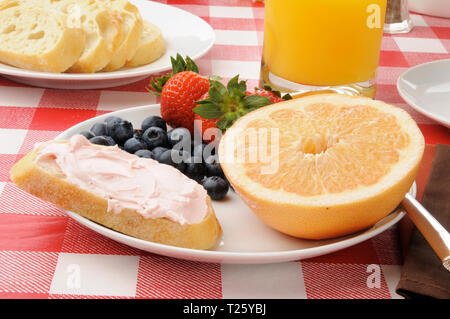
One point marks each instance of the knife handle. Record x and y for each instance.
(435, 234)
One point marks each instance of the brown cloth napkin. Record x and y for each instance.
(423, 275)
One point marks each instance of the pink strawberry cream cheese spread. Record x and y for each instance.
(152, 189)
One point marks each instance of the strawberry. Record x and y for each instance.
(179, 91)
(207, 127)
(222, 106)
(178, 65)
(178, 98)
(274, 96)
(218, 106)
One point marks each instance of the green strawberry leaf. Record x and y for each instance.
(157, 84)
(216, 92)
(205, 101)
(229, 103)
(236, 94)
(224, 123)
(208, 111)
(267, 87)
(256, 101)
(277, 93)
(190, 65)
(214, 78)
(179, 64)
(287, 96)
(235, 84)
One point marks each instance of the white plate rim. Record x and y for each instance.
(238, 257)
(436, 117)
(113, 75)
(225, 257)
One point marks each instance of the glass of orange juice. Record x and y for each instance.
(322, 44)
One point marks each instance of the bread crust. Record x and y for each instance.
(151, 46)
(129, 44)
(47, 185)
(65, 52)
(108, 29)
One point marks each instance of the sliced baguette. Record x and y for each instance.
(102, 29)
(37, 39)
(52, 186)
(133, 26)
(151, 46)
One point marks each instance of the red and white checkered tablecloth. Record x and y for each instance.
(40, 245)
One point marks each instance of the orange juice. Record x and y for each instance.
(323, 42)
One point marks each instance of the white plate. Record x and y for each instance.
(246, 239)
(439, 8)
(426, 88)
(183, 33)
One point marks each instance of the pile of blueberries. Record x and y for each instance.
(176, 147)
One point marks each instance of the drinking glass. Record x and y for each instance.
(315, 45)
(397, 17)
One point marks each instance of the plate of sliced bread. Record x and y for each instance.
(86, 44)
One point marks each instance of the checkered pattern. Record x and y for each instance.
(41, 249)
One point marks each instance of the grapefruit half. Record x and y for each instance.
(322, 166)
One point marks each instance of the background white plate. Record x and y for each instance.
(183, 33)
(426, 88)
(439, 8)
(246, 239)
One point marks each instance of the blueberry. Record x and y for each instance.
(195, 169)
(110, 122)
(204, 150)
(229, 184)
(157, 151)
(210, 149)
(99, 129)
(166, 158)
(87, 134)
(193, 145)
(154, 137)
(216, 187)
(113, 118)
(145, 154)
(153, 121)
(110, 140)
(180, 136)
(100, 140)
(181, 156)
(197, 149)
(120, 131)
(213, 167)
(174, 158)
(134, 144)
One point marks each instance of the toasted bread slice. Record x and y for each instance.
(38, 39)
(50, 184)
(151, 46)
(103, 32)
(133, 26)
